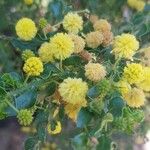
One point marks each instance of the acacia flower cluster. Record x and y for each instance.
(101, 35)
(61, 46)
(78, 74)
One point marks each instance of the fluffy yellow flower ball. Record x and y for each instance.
(73, 91)
(79, 43)
(145, 84)
(73, 23)
(62, 46)
(125, 46)
(94, 39)
(135, 98)
(56, 130)
(33, 66)
(102, 25)
(46, 52)
(26, 29)
(133, 73)
(95, 71)
(124, 87)
(136, 4)
(72, 111)
(28, 2)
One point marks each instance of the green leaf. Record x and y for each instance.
(51, 88)
(87, 27)
(3, 115)
(67, 74)
(138, 18)
(41, 132)
(2, 92)
(30, 144)
(11, 79)
(25, 100)
(104, 143)
(42, 116)
(56, 8)
(84, 117)
(10, 112)
(97, 106)
(116, 105)
(79, 142)
(73, 61)
(49, 69)
(23, 45)
(143, 30)
(147, 7)
(93, 92)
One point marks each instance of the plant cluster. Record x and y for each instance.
(76, 70)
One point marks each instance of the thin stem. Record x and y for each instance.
(86, 130)
(40, 108)
(12, 106)
(82, 11)
(58, 24)
(60, 64)
(114, 69)
(41, 37)
(26, 79)
(45, 35)
(116, 63)
(3, 37)
(138, 59)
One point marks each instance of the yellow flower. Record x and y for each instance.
(72, 111)
(94, 39)
(145, 84)
(73, 91)
(132, 3)
(33, 66)
(56, 130)
(133, 73)
(102, 25)
(62, 46)
(28, 2)
(136, 4)
(46, 52)
(27, 54)
(135, 98)
(95, 71)
(79, 43)
(26, 29)
(123, 86)
(73, 23)
(140, 5)
(125, 46)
